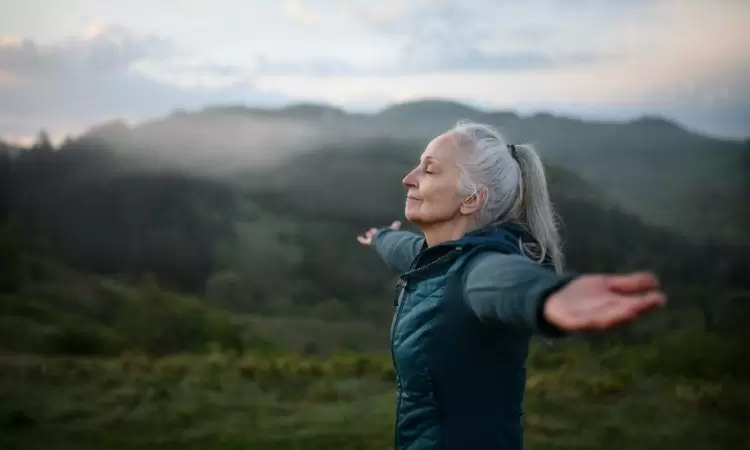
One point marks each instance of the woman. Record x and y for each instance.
(484, 276)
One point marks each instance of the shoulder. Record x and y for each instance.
(493, 271)
(496, 263)
(485, 257)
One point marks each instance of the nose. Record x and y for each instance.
(410, 180)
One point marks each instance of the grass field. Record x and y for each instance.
(306, 334)
(577, 398)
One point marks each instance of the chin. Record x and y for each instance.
(411, 215)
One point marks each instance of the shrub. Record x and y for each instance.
(699, 355)
(84, 339)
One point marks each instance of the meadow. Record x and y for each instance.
(665, 396)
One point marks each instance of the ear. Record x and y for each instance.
(474, 202)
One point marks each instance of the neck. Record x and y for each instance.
(438, 233)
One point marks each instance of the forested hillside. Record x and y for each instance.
(650, 167)
(257, 238)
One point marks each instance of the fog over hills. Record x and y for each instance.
(650, 166)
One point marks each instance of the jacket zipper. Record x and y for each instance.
(401, 286)
(447, 255)
(399, 303)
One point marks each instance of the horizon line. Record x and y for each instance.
(374, 111)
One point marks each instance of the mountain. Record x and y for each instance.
(651, 167)
(257, 210)
(275, 238)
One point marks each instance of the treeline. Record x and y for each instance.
(47, 308)
(283, 239)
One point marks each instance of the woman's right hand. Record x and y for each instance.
(600, 302)
(367, 238)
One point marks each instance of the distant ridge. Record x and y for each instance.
(651, 166)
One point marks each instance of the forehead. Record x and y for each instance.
(443, 148)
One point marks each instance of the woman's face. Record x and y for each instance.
(432, 187)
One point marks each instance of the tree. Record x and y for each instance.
(6, 175)
(43, 142)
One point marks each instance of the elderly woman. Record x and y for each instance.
(485, 274)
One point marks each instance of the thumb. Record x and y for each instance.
(396, 225)
(632, 283)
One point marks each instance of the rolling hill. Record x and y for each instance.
(668, 176)
(274, 237)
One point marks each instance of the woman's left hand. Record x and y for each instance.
(598, 302)
(367, 238)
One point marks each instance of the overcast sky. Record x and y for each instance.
(67, 65)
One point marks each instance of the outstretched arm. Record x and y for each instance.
(517, 292)
(397, 248)
(512, 290)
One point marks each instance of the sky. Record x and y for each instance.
(68, 65)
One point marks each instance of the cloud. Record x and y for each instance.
(689, 51)
(685, 59)
(107, 51)
(441, 36)
(502, 25)
(466, 60)
(75, 82)
(299, 13)
(314, 67)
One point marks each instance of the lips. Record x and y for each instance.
(409, 197)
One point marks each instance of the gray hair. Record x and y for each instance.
(516, 187)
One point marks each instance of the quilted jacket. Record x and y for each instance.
(465, 313)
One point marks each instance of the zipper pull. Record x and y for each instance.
(399, 291)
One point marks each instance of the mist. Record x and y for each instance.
(210, 143)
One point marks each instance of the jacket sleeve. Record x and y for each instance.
(511, 290)
(397, 248)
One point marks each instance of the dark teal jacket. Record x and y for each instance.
(465, 313)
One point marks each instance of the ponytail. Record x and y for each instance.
(536, 210)
(516, 185)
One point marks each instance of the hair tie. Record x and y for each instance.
(512, 150)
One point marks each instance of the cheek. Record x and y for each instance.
(443, 197)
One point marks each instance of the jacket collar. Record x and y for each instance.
(506, 235)
(505, 238)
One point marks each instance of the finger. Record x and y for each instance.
(625, 310)
(609, 300)
(363, 240)
(606, 318)
(632, 283)
(655, 299)
(396, 225)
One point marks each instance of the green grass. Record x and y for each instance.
(321, 336)
(576, 399)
